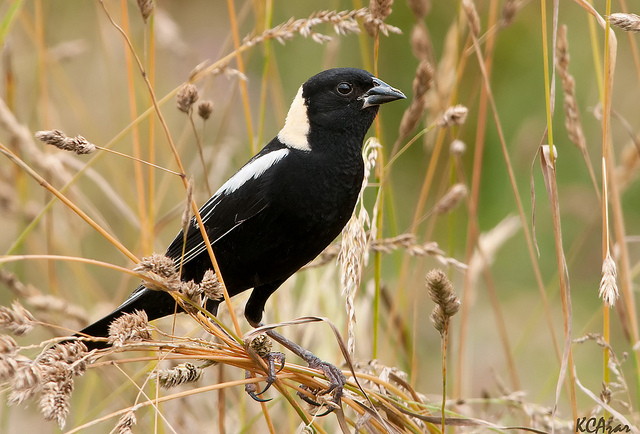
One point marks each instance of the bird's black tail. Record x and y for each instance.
(156, 304)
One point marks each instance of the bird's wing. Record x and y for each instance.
(242, 197)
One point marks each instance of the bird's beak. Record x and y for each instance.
(380, 93)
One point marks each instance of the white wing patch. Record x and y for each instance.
(251, 170)
(296, 126)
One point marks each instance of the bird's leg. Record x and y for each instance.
(261, 345)
(335, 376)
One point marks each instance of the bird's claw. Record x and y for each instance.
(270, 358)
(337, 380)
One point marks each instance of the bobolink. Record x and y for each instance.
(285, 205)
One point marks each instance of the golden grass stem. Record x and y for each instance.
(179, 163)
(135, 136)
(243, 84)
(43, 182)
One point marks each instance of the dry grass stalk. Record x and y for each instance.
(146, 8)
(130, 327)
(343, 23)
(57, 138)
(454, 115)
(205, 108)
(126, 422)
(627, 170)
(451, 199)
(16, 319)
(472, 15)
(421, 84)
(420, 8)
(608, 286)
(353, 252)
(187, 96)
(181, 374)
(41, 302)
(627, 22)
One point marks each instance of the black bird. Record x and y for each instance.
(284, 206)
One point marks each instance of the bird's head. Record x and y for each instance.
(335, 101)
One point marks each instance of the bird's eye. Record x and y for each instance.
(345, 88)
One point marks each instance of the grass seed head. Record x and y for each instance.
(205, 108)
(441, 292)
(16, 319)
(627, 22)
(57, 138)
(451, 199)
(184, 373)
(126, 422)
(187, 95)
(608, 285)
(211, 286)
(454, 115)
(130, 327)
(472, 15)
(146, 8)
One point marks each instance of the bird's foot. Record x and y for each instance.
(336, 378)
(262, 346)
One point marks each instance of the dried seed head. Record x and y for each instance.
(158, 264)
(57, 138)
(205, 108)
(261, 344)
(455, 115)
(16, 319)
(146, 8)
(421, 84)
(441, 292)
(380, 9)
(68, 357)
(130, 327)
(25, 384)
(457, 147)
(627, 22)
(184, 373)
(509, 10)
(54, 401)
(420, 44)
(126, 422)
(187, 95)
(211, 286)
(571, 113)
(472, 15)
(608, 285)
(451, 199)
(420, 8)
(8, 345)
(192, 292)
(8, 367)
(438, 319)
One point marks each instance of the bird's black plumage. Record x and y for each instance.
(285, 205)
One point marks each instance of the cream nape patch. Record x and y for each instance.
(296, 126)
